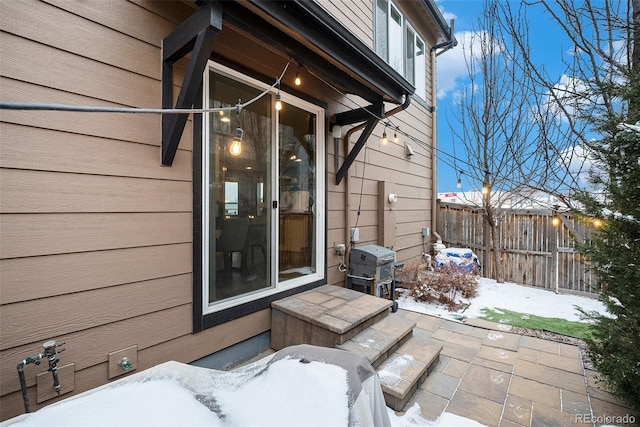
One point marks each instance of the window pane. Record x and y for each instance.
(381, 27)
(238, 190)
(421, 70)
(395, 40)
(297, 181)
(409, 56)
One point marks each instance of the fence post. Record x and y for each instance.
(555, 222)
(485, 243)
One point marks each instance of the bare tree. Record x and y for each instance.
(589, 97)
(493, 124)
(596, 105)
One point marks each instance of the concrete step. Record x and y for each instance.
(403, 372)
(325, 316)
(381, 339)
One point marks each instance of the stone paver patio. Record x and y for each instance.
(498, 378)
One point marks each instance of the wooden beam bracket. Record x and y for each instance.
(369, 114)
(197, 34)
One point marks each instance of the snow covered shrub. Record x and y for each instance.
(444, 285)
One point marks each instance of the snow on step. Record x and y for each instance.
(394, 370)
(381, 339)
(402, 374)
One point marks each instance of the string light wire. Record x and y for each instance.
(432, 150)
(32, 106)
(27, 106)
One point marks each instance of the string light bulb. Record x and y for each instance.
(485, 188)
(384, 138)
(395, 137)
(236, 143)
(298, 81)
(555, 219)
(278, 101)
(459, 184)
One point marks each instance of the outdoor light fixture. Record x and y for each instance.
(298, 80)
(278, 101)
(459, 184)
(556, 219)
(395, 137)
(384, 138)
(236, 144)
(408, 150)
(485, 188)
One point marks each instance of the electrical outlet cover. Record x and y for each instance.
(131, 353)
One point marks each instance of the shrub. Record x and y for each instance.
(444, 285)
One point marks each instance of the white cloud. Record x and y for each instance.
(580, 161)
(448, 16)
(570, 98)
(452, 67)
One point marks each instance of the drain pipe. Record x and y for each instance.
(450, 43)
(347, 187)
(50, 351)
(23, 384)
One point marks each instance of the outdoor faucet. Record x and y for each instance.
(51, 348)
(50, 351)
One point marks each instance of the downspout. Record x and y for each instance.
(434, 148)
(347, 187)
(448, 44)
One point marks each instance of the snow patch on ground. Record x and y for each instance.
(514, 297)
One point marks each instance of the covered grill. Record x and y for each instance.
(372, 270)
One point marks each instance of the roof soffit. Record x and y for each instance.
(317, 35)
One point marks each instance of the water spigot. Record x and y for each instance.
(51, 348)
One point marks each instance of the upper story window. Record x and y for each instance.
(397, 42)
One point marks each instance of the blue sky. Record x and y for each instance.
(547, 44)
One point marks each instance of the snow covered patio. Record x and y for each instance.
(482, 371)
(498, 378)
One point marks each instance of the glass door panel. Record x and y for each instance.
(297, 193)
(239, 172)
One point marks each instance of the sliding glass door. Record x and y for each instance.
(263, 202)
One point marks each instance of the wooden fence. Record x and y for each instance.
(534, 251)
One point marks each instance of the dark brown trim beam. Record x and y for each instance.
(351, 157)
(358, 115)
(196, 34)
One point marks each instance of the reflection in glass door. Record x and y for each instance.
(297, 193)
(263, 198)
(238, 168)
